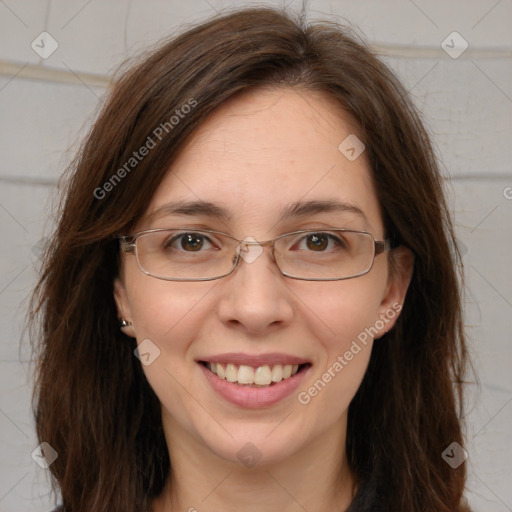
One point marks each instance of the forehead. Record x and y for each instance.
(267, 149)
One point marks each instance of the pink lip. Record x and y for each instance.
(253, 398)
(255, 360)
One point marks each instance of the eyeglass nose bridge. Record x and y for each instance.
(251, 249)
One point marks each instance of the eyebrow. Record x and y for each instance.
(306, 208)
(293, 210)
(204, 208)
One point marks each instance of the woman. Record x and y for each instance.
(250, 301)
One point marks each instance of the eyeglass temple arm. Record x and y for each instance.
(127, 244)
(382, 246)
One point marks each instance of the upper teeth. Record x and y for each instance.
(262, 375)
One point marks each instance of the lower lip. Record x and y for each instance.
(254, 397)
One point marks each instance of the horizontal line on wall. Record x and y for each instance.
(432, 52)
(28, 180)
(47, 74)
(481, 177)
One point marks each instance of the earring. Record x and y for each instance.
(125, 323)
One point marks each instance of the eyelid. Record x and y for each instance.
(207, 237)
(181, 233)
(297, 239)
(332, 233)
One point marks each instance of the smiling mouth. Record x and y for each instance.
(261, 376)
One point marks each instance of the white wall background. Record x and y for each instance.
(46, 103)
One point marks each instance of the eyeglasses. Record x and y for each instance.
(176, 254)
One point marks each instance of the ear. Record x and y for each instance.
(400, 275)
(123, 307)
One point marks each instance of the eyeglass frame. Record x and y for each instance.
(128, 245)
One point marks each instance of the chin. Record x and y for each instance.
(260, 443)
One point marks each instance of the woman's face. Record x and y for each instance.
(260, 156)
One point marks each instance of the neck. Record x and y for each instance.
(316, 478)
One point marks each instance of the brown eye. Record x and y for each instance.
(192, 242)
(317, 242)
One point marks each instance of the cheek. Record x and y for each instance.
(171, 316)
(162, 308)
(342, 311)
(167, 317)
(341, 319)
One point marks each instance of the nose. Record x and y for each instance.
(255, 297)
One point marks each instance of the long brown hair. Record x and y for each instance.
(92, 402)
